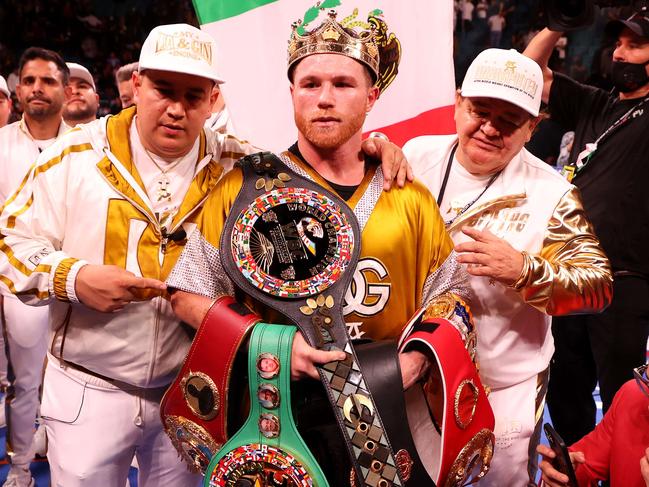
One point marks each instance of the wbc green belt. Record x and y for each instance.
(267, 450)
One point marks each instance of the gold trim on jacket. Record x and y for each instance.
(571, 274)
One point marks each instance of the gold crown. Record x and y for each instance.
(332, 37)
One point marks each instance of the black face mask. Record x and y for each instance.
(628, 76)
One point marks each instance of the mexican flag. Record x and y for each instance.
(252, 38)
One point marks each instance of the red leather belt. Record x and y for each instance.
(467, 420)
(194, 410)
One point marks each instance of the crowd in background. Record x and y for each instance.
(99, 36)
(102, 36)
(511, 24)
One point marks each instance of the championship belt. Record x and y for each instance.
(268, 450)
(194, 410)
(460, 452)
(288, 243)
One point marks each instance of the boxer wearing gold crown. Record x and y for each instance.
(404, 289)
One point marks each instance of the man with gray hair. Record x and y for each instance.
(608, 164)
(124, 85)
(521, 230)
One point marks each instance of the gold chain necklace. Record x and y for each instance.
(163, 193)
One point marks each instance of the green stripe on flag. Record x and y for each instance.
(209, 11)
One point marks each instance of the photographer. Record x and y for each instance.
(617, 449)
(610, 168)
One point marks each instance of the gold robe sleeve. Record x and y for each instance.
(571, 274)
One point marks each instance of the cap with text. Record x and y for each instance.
(81, 72)
(506, 75)
(180, 48)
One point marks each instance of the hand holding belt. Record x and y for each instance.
(288, 244)
(467, 420)
(268, 449)
(194, 409)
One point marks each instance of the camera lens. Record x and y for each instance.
(572, 8)
(568, 14)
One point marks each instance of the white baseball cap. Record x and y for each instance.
(180, 48)
(4, 88)
(506, 75)
(81, 72)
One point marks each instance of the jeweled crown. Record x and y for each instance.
(332, 37)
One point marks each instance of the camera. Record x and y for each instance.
(564, 15)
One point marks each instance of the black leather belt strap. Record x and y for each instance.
(268, 182)
(380, 364)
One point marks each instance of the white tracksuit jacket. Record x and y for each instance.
(539, 212)
(83, 202)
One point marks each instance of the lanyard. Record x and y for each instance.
(622, 120)
(442, 189)
(592, 147)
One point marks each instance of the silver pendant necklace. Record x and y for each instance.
(162, 192)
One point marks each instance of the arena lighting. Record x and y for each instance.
(565, 15)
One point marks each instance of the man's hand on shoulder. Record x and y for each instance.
(109, 288)
(393, 162)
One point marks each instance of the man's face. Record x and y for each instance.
(268, 425)
(267, 365)
(83, 103)
(491, 132)
(631, 48)
(331, 97)
(41, 91)
(266, 395)
(125, 89)
(5, 109)
(171, 110)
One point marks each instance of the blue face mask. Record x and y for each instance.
(628, 77)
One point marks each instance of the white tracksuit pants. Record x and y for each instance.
(27, 335)
(95, 428)
(519, 413)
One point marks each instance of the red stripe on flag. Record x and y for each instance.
(438, 121)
